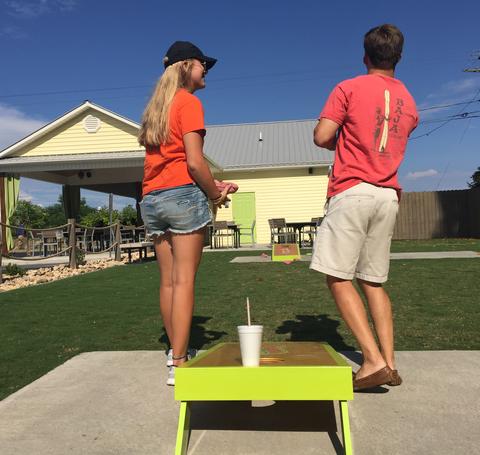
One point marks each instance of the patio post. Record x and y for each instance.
(118, 250)
(72, 243)
(1, 254)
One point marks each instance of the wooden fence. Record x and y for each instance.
(439, 214)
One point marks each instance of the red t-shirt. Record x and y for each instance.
(376, 114)
(165, 166)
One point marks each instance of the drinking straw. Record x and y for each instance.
(248, 312)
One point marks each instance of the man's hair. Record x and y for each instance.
(383, 45)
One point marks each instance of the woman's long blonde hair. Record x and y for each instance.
(155, 121)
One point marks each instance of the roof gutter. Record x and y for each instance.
(277, 167)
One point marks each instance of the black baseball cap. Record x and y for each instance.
(184, 50)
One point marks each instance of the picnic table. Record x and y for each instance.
(140, 246)
(298, 226)
(232, 226)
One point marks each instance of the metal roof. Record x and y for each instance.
(265, 145)
(77, 161)
(246, 146)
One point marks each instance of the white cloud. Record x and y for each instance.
(10, 31)
(15, 125)
(30, 10)
(421, 174)
(452, 180)
(98, 199)
(464, 87)
(458, 91)
(37, 8)
(25, 196)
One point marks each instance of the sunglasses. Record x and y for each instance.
(204, 65)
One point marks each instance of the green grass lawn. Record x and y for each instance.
(401, 246)
(435, 304)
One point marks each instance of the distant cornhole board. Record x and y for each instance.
(285, 252)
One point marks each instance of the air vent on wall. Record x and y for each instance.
(91, 124)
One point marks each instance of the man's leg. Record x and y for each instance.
(381, 311)
(373, 267)
(353, 312)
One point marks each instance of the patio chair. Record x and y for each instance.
(85, 239)
(311, 231)
(280, 232)
(34, 242)
(249, 232)
(221, 232)
(141, 232)
(127, 234)
(51, 241)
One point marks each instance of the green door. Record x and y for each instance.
(244, 214)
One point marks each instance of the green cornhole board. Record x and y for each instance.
(285, 252)
(290, 371)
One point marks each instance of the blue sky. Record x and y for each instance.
(278, 60)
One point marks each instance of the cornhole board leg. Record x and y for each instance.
(183, 432)
(347, 441)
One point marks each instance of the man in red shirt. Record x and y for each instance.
(367, 121)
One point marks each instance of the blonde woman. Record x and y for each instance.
(177, 185)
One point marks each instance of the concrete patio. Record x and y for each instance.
(393, 256)
(117, 403)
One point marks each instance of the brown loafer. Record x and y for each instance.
(380, 377)
(396, 379)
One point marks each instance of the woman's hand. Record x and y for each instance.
(222, 199)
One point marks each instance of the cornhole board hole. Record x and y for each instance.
(285, 252)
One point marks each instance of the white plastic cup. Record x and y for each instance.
(250, 344)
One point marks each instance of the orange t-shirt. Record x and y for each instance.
(166, 165)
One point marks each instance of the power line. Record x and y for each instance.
(476, 56)
(448, 120)
(128, 87)
(461, 116)
(441, 106)
(65, 92)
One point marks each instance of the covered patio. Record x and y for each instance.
(88, 148)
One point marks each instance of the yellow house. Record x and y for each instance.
(280, 173)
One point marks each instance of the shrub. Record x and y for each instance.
(13, 269)
(80, 256)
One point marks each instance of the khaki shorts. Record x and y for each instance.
(355, 235)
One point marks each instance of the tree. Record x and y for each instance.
(84, 209)
(31, 216)
(55, 214)
(99, 218)
(475, 179)
(128, 216)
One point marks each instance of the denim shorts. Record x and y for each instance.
(181, 210)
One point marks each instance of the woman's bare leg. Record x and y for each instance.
(187, 252)
(163, 250)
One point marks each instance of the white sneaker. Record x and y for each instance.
(171, 372)
(169, 358)
(191, 353)
(171, 376)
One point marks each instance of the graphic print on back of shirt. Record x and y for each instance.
(389, 123)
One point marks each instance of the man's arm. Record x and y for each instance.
(325, 133)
